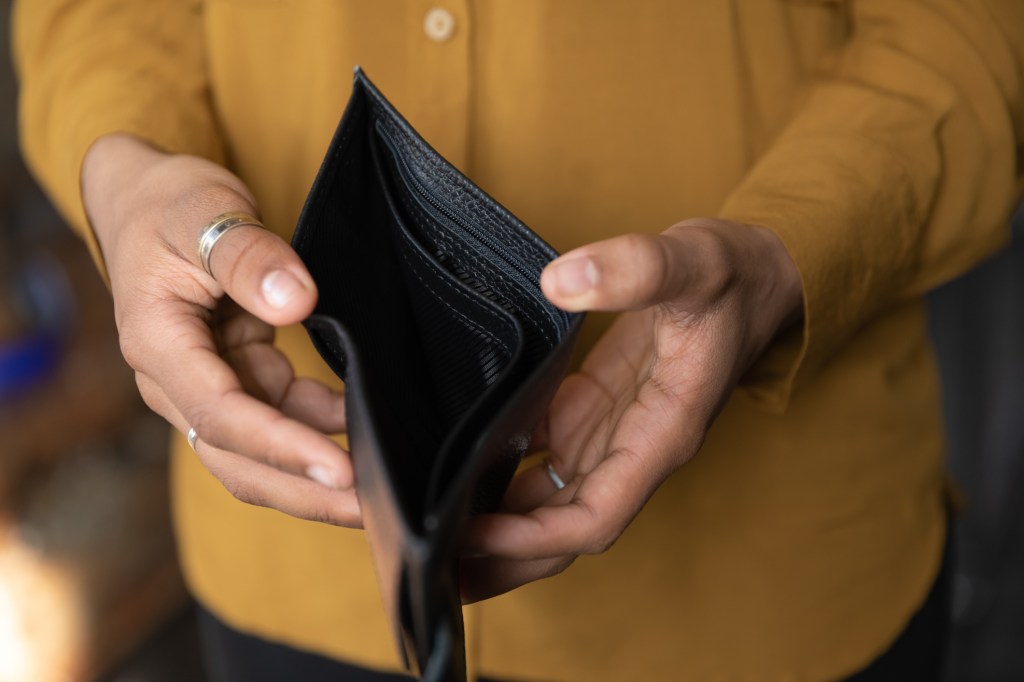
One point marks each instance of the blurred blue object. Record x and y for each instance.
(26, 361)
(36, 315)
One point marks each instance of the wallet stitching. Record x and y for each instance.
(458, 245)
(468, 321)
(492, 214)
(495, 214)
(486, 214)
(505, 289)
(423, 151)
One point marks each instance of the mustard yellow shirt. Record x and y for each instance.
(879, 138)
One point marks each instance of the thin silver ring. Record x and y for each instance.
(553, 475)
(216, 229)
(192, 438)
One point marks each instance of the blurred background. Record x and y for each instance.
(89, 588)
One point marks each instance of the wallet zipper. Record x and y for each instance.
(434, 203)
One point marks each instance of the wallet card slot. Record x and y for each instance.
(524, 274)
(468, 205)
(468, 343)
(538, 338)
(515, 268)
(468, 340)
(473, 257)
(359, 274)
(471, 267)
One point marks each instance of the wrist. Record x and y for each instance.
(110, 170)
(768, 291)
(780, 287)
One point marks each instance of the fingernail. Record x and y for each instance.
(322, 475)
(576, 276)
(280, 287)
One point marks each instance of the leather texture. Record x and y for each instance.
(431, 311)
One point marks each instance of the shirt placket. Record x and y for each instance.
(440, 74)
(440, 77)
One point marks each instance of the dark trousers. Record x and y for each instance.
(916, 655)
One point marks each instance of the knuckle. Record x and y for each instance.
(245, 256)
(214, 195)
(600, 542)
(137, 332)
(659, 264)
(647, 255)
(243, 489)
(238, 251)
(206, 425)
(273, 459)
(642, 248)
(635, 244)
(131, 349)
(559, 565)
(149, 394)
(600, 534)
(272, 453)
(600, 537)
(717, 256)
(320, 512)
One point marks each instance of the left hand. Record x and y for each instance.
(201, 343)
(705, 298)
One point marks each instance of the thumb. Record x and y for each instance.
(623, 273)
(262, 273)
(138, 197)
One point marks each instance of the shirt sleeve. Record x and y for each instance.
(92, 67)
(898, 170)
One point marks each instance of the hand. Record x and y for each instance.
(704, 299)
(201, 346)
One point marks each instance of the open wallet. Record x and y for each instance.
(430, 310)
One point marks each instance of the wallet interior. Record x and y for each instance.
(430, 309)
(440, 312)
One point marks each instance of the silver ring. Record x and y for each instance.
(553, 475)
(216, 229)
(192, 438)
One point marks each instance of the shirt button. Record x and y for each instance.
(439, 25)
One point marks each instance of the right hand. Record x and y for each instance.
(201, 346)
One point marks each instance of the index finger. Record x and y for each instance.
(209, 395)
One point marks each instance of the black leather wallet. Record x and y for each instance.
(431, 311)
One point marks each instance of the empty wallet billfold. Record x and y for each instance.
(430, 310)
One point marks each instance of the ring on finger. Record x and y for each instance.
(192, 438)
(553, 475)
(216, 229)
